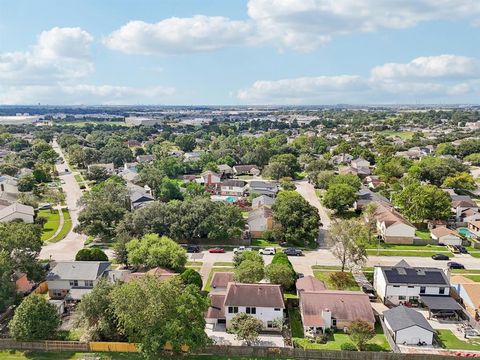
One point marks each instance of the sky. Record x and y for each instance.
(239, 52)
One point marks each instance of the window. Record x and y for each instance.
(441, 291)
(396, 286)
(232, 309)
(251, 310)
(73, 282)
(271, 325)
(401, 298)
(411, 286)
(334, 322)
(88, 283)
(422, 289)
(277, 309)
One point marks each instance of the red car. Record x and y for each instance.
(216, 250)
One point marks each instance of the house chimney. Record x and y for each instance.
(327, 318)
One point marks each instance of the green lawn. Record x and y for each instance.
(423, 234)
(464, 271)
(67, 225)
(378, 343)
(264, 243)
(408, 247)
(194, 263)
(210, 276)
(295, 322)
(324, 276)
(449, 341)
(52, 224)
(475, 278)
(406, 253)
(223, 263)
(475, 254)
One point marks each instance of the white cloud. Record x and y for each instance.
(179, 35)
(306, 24)
(60, 53)
(63, 94)
(446, 78)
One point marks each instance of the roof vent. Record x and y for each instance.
(420, 272)
(401, 271)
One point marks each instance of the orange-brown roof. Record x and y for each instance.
(387, 214)
(309, 283)
(258, 295)
(221, 279)
(443, 231)
(216, 308)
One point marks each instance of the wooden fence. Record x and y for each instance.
(44, 345)
(99, 346)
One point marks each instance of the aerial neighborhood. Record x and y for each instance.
(262, 232)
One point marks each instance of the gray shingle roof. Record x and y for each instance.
(78, 270)
(402, 317)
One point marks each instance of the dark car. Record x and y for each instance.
(462, 249)
(455, 265)
(191, 248)
(440, 257)
(292, 252)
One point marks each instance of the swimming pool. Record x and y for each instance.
(465, 232)
(231, 199)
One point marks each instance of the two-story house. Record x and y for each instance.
(263, 301)
(403, 283)
(75, 278)
(263, 188)
(233, 188)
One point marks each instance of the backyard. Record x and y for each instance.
(449, 341)
(324, 276)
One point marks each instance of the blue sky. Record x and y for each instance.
(239, 52)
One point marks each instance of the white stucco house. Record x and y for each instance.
(263, 301)
(403, 283)
(233, 188)
(73, 279)
(446, 236)
(408, 327)
(17, 211)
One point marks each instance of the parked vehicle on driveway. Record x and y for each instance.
(241, 249)
(191, 248)
(455, 265)
(440, 257)
(216, 250)
(267, 251)
(292, 252)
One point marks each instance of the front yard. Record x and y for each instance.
(324, 276)
(52, 224)
(406, 253)
(210, 276)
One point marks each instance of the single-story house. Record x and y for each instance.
(446, 236)
(408, 327)
(326, 309)
(246, 170)
(469, 292)
(109, 167)
(225, 170)
(474, 226)
(260, 220)
(17, 211)
(392, 226)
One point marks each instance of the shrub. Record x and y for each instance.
(348, 347)
(341, 280)
(93, 254)
(190, 276)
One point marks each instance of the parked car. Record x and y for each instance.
(191, 248)
(45, 206)
(455, 265)
(440, 257)
(241, 249)
(267, 251)
(216, 250)
(462, 249)
(292, 252)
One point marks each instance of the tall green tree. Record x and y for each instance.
(246, 328)
(347, 242)
(339, 197)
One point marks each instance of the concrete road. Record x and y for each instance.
(73, 242)
(303, 264)
(307, 190)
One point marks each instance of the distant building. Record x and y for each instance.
(246, 170)
(145, 121)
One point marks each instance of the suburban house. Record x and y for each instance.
(446, 236)
(474, 227)
(246, 170)
(470, 214)
(359, 163)
(263, 188)
(17, 211)
(22, 284)
(225, 171)
(109, 167)
(372, 181)
(210, 178)
(469, 292)
(460, 203)
(262, 200)
(138, 196)
(73, 279)
(263, 301)
(407, 326)
(233, 188)
(8, 184)
(326, 309)
(403, 283)
(341, 159)
(144, 158)
(392, 227)
(192, 156)
(366, 196)
(260, 220)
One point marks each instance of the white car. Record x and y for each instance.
(267, 251)
(241, 249)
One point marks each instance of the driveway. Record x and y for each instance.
(73, 242)
(307, 190)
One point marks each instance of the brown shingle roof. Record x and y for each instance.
(443, 231)
(388, 215)
(216, 309)
(258, 295)
(310, 283)
(221, 279)
(344, 306)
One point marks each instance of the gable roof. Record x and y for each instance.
(263, 212)
(221, 279)
(16, 208)
(403, 273)
(262, 184)
(258, 295)
(216, 310)
(78, 270)
(443, 231)
(344, 306)
(234, 183)
(401, 317)
(388, 215)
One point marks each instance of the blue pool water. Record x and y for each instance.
(465, 232)
(231, 199)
